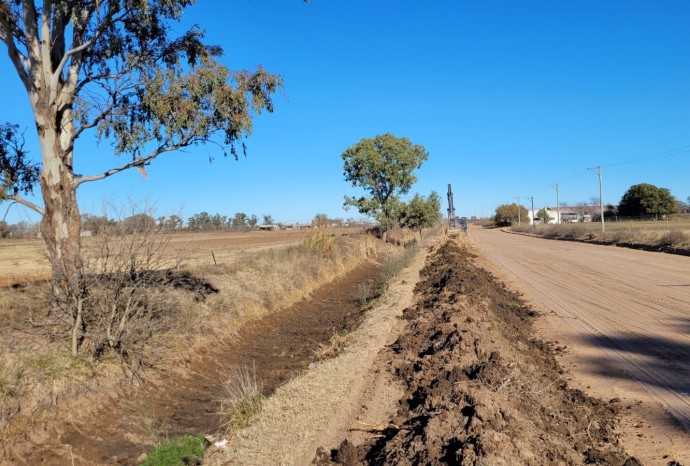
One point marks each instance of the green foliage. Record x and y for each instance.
(647, 199)
(241, 397)
(179, 452)
(396, 264)
(507, 214)
(422, 212)
(174, 222)
(17, 174)
(383, 167)
(267, 219)
(239, 221)
(543, 215)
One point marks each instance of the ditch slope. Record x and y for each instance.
(478, 388)
(184, 399)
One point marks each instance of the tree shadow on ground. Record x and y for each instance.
(658, 362)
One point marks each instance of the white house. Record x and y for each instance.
(564, 214)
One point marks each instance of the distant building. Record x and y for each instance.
(565, 214)
(268, 227)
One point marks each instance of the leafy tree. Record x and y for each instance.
(383, 167)
(252, 221)
(267, 219)
(17, 174)
(239, 221)
(96, 224)
(507, 214)
(543, 215)
(114, 68)
(218, 221)
(139, 223)
(5, 229)
(647, 199)
(174, 222)
(422, 212)
(321, 221)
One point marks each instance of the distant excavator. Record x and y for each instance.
(453, 221)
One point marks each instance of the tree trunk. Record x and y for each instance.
(61, 231)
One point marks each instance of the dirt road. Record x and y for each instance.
(625, 317)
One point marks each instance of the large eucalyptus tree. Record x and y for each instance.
(111, 70)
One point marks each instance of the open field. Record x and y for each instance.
(672, 222)
(23, 259)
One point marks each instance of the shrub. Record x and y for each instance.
(182, 451)
(673, 238)
(241, 397)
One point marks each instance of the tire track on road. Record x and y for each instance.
(627, 304)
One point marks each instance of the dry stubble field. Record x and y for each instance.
(22, 259)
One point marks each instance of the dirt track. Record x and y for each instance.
(625, 316)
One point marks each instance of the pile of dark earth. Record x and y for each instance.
(479, 390)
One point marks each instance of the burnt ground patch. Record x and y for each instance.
(479, 389)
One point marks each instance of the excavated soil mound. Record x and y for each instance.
(479, 390)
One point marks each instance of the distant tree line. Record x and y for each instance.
(18, 230)
(642, 200)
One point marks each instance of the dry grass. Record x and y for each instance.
(647, 234)
(320, 240)
(38, 377)
(334, 347)
(402, 236)
(241, 398)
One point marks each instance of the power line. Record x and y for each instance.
(660, 155)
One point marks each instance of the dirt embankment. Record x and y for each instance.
(479, 390)
(184, 399)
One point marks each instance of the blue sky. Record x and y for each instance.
(509, 97)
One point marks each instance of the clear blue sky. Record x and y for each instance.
(508, 96)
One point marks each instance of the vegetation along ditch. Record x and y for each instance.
(218, 380)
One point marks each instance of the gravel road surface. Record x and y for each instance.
(625, 312)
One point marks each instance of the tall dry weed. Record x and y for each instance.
(674, 238)
(320, 241)
(241, 398)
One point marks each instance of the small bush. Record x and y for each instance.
(182, 451)
(673, 238)
(241, 397)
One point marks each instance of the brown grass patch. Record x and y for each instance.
(648, 235)
(38, 377)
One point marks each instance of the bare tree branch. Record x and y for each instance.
(138, 162)
(28, 204)
(18, 59)
(31, 37)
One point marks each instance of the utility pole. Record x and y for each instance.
(558, 205)
(601, 195)
(518, 206)
(534, 223)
